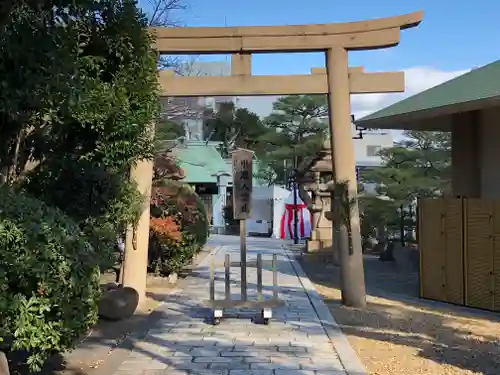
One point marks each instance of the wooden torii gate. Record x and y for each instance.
(337, 81)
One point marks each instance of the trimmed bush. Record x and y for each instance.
(180, 198)
(169, 248)
(49, 278)
(179, 227)
(100, 200)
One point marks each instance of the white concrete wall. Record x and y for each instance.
(194, 127)
(371, 141)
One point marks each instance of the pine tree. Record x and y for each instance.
(234, 127)
(418, 166)
(296, 130)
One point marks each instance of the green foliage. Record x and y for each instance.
(265, 174)
(234, 127)
(85, 83)
(49, 278)
(166, 133)
(183, 199)
(418, 166)
(376, 216)
(169, 248)
(296, 131)
(78, 92)
(103, 202)
(178, 201)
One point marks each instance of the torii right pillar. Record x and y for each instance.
(344, 170)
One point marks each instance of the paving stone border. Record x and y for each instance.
(346, 353)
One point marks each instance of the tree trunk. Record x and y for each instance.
(12, 174)
(304, 196)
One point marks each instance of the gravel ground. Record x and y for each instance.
(400, 334)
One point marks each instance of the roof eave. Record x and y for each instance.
(426, 119)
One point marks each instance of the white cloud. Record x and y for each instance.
(417, 79)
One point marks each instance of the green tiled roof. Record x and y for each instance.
(200, 162)
(478, 84)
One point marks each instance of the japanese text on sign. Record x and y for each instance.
(242, 183)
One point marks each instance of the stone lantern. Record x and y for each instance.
(317, 179)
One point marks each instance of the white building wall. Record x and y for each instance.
(194, 126)
(367, 148)
(366, 151)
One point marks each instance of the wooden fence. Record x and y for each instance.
(459, 243)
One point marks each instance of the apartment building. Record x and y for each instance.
(194, 108)
(366, 149)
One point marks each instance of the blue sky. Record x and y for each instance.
(454, 37)
(454, 34)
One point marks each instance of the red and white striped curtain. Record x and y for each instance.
(303, 224)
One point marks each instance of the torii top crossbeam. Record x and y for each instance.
(244, 41)
(361, 35)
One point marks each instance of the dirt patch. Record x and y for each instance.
(400, 334)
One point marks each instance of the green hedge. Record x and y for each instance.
(182, 228)
(182, 198)
(49, 278)
(100, 200)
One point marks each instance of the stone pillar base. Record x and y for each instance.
(324, 248)
(318, 245)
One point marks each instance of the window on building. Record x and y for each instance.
(372, 150)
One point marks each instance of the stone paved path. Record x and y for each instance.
(295, 342)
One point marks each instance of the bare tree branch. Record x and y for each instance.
(163, 12)
(182, 109)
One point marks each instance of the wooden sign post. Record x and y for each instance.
(242, 207)
(242, 204)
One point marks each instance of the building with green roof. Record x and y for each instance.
(210, 174)
(468, 106)
(205, 170)
(201, 162)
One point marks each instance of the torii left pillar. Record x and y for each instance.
(135, 260)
